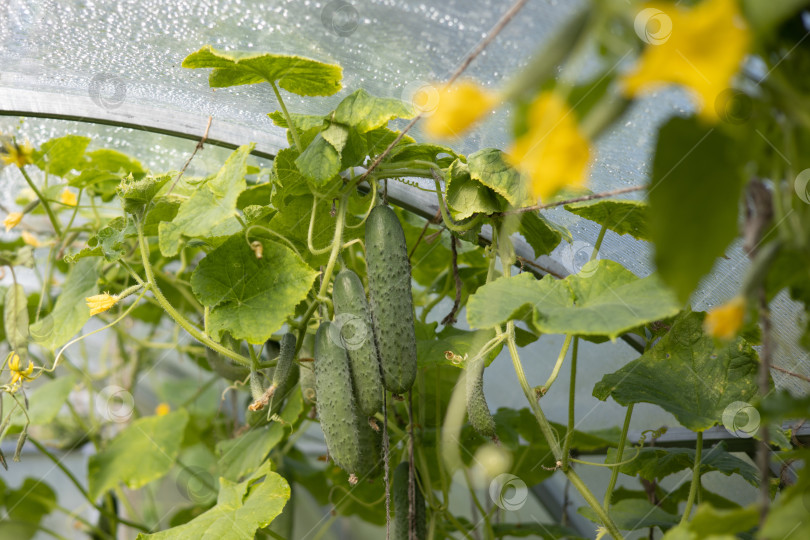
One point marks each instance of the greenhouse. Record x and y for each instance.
(359, 269)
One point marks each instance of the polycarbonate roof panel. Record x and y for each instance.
(126, 54)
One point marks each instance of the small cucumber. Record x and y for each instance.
(477, 408)
(402, 505)
(285, 360)
(260, 417)
(336, 404)
(389, 288)
(353, 324)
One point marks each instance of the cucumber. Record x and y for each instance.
(356, 334)
(225, 367)
(477, 408)
(389, 288)
(262, 416)
(285, 360)
(402, 504)
(336, 405)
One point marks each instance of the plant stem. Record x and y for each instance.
(577, 482)
(290, 124)
(557, 366)
(173, 313)
(45, 204)
(614, 473)
(598, 244)
(695, 478)
(529, 392)
(572, 390)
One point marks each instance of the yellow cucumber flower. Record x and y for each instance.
(18, 373)
(702, 52)
(13, 153)
(12, 220)
(553, 153)
(458, 107)
(100, 303)
(68, 198)
(162, 409)
(31, 239)
(724, 321)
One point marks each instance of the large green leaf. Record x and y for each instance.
(489, 167)
(302, 76)
(45, 402)
(245, 453)
(142, 452)
(542, 234)
(15, 318)
(687, 375)
(241, 509)
(70, 311)
(250, 298)
(657, 463)
(618, 215)
(694, 196)
(605, 299)
(60, 156)
(137, 194)
(109, 242)
(211, 204)
(26, 506)
(320, 161)
(466, 196)
(365, 112)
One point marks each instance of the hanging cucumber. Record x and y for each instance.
(477, 408)
(260, 417)
(336, 404)
(402, 505)
(389, 287)
(353, 326)
(285, 360)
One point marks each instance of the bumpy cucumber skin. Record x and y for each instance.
(402, 503)
(285, 360)
(349, 299)
(389, 288)
(477, 408)
(336, 405)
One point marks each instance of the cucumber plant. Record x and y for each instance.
(253, 276)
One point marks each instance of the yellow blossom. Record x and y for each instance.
(724, 321)
(31, 239)
(702, 53)
(553, 153)
(459, 106)
(13, 153)
(18, 373)
(163, 409)
(100, 303)
(68, 198)
(12, 220)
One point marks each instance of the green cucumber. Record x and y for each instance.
(402, 505)
(336, 404)
(262, 416)
(285, 360)
(353, 324)
(477, 408)
(389, 288)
